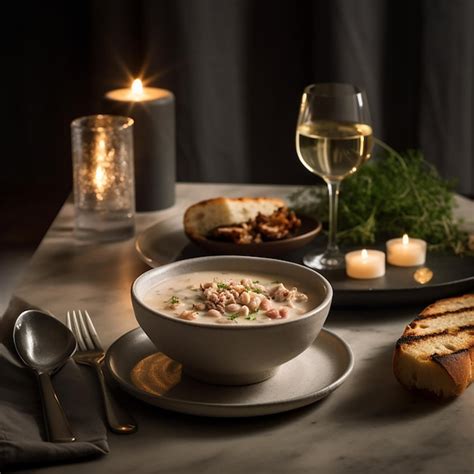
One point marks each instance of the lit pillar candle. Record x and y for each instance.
(365, 264)
(153, 112)
(406, 252)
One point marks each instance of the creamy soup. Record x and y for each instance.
(229, 298)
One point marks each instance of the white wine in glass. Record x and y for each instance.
(333, 139)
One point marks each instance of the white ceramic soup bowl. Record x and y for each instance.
(232, 354)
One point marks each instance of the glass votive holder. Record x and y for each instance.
(104, 190)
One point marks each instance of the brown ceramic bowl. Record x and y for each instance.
(309, 229)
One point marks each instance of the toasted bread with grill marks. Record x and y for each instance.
(449, 305)
(436, 350)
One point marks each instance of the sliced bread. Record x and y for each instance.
(204, 216)
(436, 350)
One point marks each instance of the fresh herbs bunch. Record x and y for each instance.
(389, 196)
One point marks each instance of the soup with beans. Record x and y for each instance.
(229, 298)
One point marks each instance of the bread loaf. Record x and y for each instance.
(436, 350)
(204, 216)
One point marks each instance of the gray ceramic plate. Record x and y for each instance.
(162, 242)
(313, 375)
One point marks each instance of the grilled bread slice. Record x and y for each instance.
(436, 350)
(204, 216)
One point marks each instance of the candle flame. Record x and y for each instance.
(101, 149)
(137, 88)
(100, 179)
(364, 254)
(100, 176)
(405, 239)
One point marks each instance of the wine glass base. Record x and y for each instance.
(324, 261)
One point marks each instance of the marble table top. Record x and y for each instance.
(369, 425)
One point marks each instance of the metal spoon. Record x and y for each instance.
(44, 344)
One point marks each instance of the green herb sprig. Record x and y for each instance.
(391, 195)
(173, 300)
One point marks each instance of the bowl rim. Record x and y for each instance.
(263, 326)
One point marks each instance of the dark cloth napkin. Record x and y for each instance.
(22, 433)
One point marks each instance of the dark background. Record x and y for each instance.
(237, 69)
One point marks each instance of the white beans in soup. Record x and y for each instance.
(229, 298)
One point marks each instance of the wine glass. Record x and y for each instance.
(333, 139)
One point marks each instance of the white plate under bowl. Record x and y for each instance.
(313, 375)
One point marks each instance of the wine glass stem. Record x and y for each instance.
(333, 190)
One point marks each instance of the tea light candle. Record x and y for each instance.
(152, 110)
(406, 252)
(365, 264)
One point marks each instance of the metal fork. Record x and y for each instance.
(91, 353)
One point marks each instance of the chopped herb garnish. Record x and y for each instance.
(256, 290)
(255, 281)
(233, 316)
(223, 286)
(173, 300)
(252, 316)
